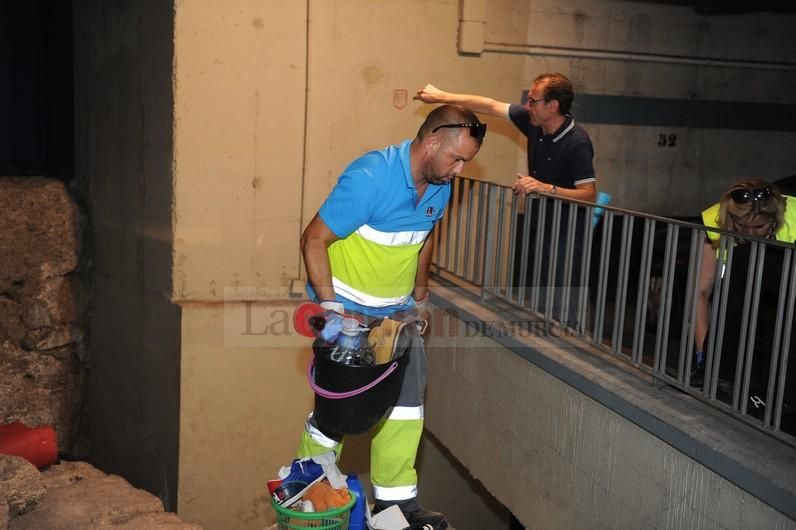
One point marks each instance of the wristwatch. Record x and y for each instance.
(553, 189)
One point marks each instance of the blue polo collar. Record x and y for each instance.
(406, 163)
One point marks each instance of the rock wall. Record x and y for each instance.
(76, 496)
(41, 308)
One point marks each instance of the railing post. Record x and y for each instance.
(489, 250)
(759, 257)
(689, 309)
(786, 336)
(568, 263)
(499, 239)
(480, 236)
(621, 293)
(583, 295)
(643, 290)
(716, 336)
(457, 266)
(537, 259)
(468, 232)
(510, 287)
(665, 306)
(602, 279)
(526, 248)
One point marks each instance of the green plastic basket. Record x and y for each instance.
(336, 519)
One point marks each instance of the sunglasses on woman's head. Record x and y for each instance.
(744, 195)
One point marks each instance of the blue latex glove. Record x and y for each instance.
(332, 327)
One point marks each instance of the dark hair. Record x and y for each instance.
(446, 114)
(558, 87)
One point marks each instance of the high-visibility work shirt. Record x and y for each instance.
(786, 232)
(373, 209)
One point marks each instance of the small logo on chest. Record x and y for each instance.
(430, 211)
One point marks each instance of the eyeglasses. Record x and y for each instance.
(532, 101)
(742, 196)
(477, 130)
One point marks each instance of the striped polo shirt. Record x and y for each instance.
(373, 209)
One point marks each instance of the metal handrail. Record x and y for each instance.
(535, 253)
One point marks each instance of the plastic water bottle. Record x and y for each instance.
(356, 520)
(327, 325)
(352, 345)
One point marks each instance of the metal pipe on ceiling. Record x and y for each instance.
(597, 54)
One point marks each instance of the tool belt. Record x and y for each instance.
(391, 338)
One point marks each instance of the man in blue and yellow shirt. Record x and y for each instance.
(367, 250)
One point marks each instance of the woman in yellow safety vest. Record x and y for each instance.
(750, 207)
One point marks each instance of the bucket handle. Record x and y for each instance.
(350, 393)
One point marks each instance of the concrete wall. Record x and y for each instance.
(366, 61)
(559, 458)
(123, 160)
(239, 107)
(244, 401)
(239, 146)
(630, 164)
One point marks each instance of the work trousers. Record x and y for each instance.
(396, 437)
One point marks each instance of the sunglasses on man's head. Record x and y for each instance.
(477, 130)
(742, 196)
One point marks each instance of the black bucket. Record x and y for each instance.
(342, 413)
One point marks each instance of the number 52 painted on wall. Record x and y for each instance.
(667, 140)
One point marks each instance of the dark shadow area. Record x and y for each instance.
(447, 468)
(36, 96)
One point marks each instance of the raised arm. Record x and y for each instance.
(480, 104)
(314, 241)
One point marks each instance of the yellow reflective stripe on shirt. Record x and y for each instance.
(373, 270)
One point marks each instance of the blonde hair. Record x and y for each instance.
(732, 213)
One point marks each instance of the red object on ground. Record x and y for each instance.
(37, 445)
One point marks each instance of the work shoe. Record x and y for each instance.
(416, 516)
(425, 520)
(299, 477)
(698, 378)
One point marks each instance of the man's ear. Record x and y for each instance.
(431, 143)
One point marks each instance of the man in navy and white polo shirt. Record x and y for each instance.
(559, 150)
(560, 155)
